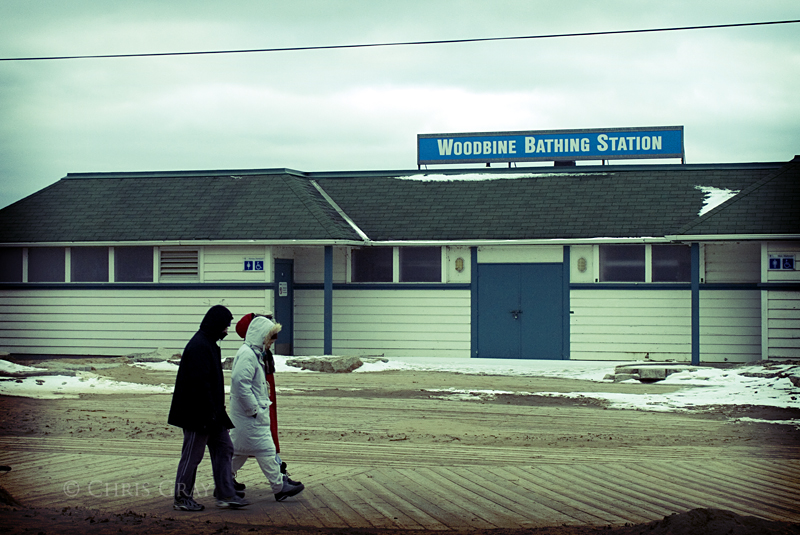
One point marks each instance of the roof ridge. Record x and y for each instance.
(318, 207)
(186, 174)
(741, 195)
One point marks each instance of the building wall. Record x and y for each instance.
(730, 325)
(630, 325)
(730, 319)
(417, 323)
(607, 323)
(781, 306)
(225, 264)
(113, 322)
(736, 262)
(626, 324)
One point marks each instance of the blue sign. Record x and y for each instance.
(783, 262)
(551, 145)
(254, 264)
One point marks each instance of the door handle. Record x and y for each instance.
(516, 313)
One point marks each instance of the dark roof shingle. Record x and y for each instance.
(536, 203)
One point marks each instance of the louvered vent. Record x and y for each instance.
(180, 264)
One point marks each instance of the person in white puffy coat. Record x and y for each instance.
(250, 403)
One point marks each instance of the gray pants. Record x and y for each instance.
(270, 464)
(194, 447)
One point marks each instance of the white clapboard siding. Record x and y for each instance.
(630, 325)
(783, 308)
(226, 264)
(113, 322)
(730, 325)
(425, 323)
(783, 324)
(733, 262)
(309, 264)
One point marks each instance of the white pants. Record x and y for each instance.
(269, 465)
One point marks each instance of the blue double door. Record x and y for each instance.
(520, 311)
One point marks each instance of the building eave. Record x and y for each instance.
(731, 237)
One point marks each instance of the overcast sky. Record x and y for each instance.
(734, 90)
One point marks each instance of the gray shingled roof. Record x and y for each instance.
(769, 206)
(620, 201)
(546, 203)
(174, 207)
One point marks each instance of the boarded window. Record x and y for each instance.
(46, 264)
(372, 264)
(89, 264)
(622, 263)
(10, 264)
(180, 264)
(672, 263)
(133, 264)
(420, 264)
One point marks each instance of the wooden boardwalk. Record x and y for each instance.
(403, 486)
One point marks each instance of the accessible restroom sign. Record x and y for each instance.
(551, 145)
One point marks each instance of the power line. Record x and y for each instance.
(402, 43)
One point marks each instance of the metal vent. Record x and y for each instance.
(180, 264)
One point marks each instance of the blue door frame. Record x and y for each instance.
(284, 305)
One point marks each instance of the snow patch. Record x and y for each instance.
(479, 177)
(714, 197)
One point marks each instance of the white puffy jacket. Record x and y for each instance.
(250, 392)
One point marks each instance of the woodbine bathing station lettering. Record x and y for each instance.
(552, 145)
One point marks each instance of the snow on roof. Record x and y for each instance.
(477, 177)
(714, 197)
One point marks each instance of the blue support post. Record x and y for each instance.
(473, 274)
(695, 304)
(565, 349)
(328, 302)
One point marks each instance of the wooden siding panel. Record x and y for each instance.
(783, 248)
(733, 262)
(309, 264)
(429, 323)
(630, 324)
(227, 264)
(783, 321)
(113, 322)
(730, 325)
(626, 324)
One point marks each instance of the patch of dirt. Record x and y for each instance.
(134, 374)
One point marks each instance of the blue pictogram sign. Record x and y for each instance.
(254, 264)
(781, 262)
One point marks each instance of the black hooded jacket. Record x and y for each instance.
(198, 402)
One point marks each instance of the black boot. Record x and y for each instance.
(284, 472)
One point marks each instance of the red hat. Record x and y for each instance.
(244, 323)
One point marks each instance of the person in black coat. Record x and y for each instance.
(198, 407)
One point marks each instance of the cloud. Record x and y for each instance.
(733, 89)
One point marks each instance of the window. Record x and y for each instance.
(622, 263)
(46, 264)
(645, 263)
(420, 264)
(672, 263)
(89, 264)
(180, 264)
(414, 264)
(372, 264)
(10, 264)
(133, 264)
